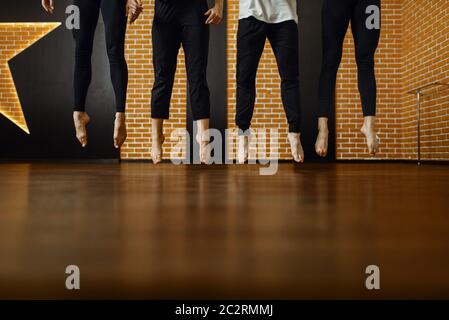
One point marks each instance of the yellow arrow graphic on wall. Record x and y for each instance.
(15, 38)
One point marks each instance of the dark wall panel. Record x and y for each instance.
(310, 68)
(43, 78)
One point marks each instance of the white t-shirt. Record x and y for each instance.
(270, 11)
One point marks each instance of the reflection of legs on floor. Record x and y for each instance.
(241, 233)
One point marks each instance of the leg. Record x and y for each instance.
(335, 21)
(366, 41)
(195, 41)
(203, 139)
(157, 137)
(114, 16)
(84, 38)
(251, 39)
(166, 42)
(284, 39)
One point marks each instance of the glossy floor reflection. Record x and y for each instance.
(143, 231)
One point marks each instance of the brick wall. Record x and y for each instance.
(139, 57)
(14, 38)
(425, 52)
(413, 51)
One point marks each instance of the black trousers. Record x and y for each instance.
(251, 38)
(336, 16)
(114, 17)
(176, 23)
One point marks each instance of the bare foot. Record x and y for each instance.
(120, 133)
(203, 140)
(156, 148)
(243, 147)
(81, 120)
(157, 128)
(296, 147)
(322, 141)
(372, 139)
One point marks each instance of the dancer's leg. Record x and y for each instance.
(195, 41)
(335, 21)
(157, 139)
(284, 39)
(366, 41)
(166, 43)
(115, 20)
(84, 38)
(251, 39)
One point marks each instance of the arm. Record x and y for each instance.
(48, 5)
(215, 14)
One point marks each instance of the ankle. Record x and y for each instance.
(369, 122)
(158, 135)
(294, 135)
(79, 113)
(243, 138)
(120, 116)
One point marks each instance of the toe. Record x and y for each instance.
(156, 160)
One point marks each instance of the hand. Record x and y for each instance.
(48, 5)
(133, 10)
(215, 15)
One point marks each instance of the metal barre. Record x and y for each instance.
(419, 94)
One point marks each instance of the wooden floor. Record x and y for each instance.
(143, 231)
